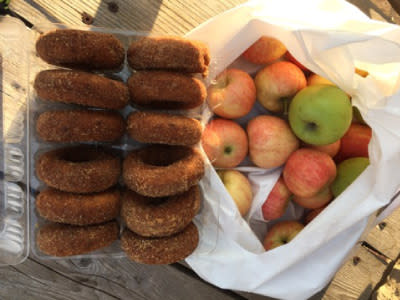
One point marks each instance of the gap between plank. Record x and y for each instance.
(385, 275)
(73, 280)
(15, 15)
(378, 254)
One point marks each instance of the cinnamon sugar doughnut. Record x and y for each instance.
(162, 250)
(67, 240)
(163, 128)
(169, 52)
(66, 126)
(78, 209)
(166, 90)
(81, 88)
(160, 170)
(79, 169)
(157, 217)
(81, 49)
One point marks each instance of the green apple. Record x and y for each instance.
(347, 171)
(320, 114)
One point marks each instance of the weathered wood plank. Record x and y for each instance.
(357, 278)
(385, 237)
(101, 279)
(168, 17)
(390, 289)
(378, 9)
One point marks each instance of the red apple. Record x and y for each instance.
(281, 233)
(308, 171)
(277, 83)
(271, 141)
(264, 51)
(354, 143)
(312, 214)
(321, 199)
(278, 199)
(238, 186)
(232, 95)
(292, 59)
(330, 149)
(225, 143)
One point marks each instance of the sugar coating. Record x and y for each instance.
(83, 88)
(79, 169)
(68, 126)
(81, 49)
(160, 170)
(157, 217)
(66, 240)
(166, 90)
(78, 209)
(169, 52)
(162, 250)
(163, 128)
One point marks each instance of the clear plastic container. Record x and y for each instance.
(21, 146)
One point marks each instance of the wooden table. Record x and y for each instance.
(364, 275)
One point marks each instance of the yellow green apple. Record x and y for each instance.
(320, 114)
(238, 186)
(348, 171)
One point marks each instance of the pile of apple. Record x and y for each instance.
(309, 128)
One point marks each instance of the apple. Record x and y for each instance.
(355, 142)
(264, 51)
(347, 171)
(225, 143)
(312, 214)
(320, 114)
(271, 141)
(314, 79)
(281, 233)
(292, 59)
(238, 186)
(321, 199)
(330, 149)
(277, 201)
(278, 83)
(232, 95)
(308, 171)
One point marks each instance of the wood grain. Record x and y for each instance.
(101, 279)
(386, 236)
(163, 17)
(357, 278)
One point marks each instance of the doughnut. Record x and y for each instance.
(66, 126)
(161, 250)
(78, 209)
(83, 88)
(166, 90)
(163, 128)
(170, 53)
(81, 49)
(160, 170)
(67, 240)
(157, 217)
(79, 169)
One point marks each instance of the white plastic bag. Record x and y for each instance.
(330, 37)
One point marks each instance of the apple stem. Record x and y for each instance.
(286, 102)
